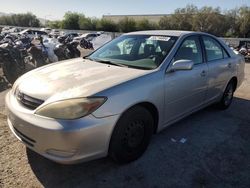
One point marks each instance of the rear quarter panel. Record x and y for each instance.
(240, 65)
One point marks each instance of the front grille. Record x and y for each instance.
(28, 101)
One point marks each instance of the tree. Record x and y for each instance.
(24, 20)
(71, 20)
(106, 25)
(87, 23)
(244, 21)
(127, 25)
(182, 19)
(232, 22)
(55, 24)
(165, 23)
(145, 25)
(211, 20)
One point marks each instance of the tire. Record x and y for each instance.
(131, 135)
(227, 97)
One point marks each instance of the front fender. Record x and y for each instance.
(148, 88)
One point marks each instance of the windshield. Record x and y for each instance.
(135, 51)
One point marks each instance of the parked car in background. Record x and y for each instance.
(47, 30)
(99, 41)
(12, 31)
(70, 35)
(86, 36)
(31, 33)
(55, 33)
(112, 101)
(5, 29)
(244, 49)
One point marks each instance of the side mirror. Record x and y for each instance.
(183, 64)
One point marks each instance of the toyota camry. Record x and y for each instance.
(111, 102)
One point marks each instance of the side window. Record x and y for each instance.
(191, 50)
(213, 49)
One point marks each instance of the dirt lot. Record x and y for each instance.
(216, 154)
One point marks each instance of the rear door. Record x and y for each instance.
(220, 67)
(185, 90)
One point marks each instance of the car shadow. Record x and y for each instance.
(213, 152)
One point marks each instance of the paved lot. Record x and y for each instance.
(216, 154)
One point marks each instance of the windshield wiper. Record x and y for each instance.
(109, 62)
(116, 64)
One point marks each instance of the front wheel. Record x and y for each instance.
(227, 97)
(131, 135)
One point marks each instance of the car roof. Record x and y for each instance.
(163, 32)
(24, 31)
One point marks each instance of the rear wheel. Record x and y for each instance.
(131, 135)
(227, 97)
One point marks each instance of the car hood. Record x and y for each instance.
(74, 78)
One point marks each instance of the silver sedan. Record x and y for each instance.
(112, 101)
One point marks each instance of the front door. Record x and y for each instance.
(186, 90)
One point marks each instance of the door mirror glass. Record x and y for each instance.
(183, 64)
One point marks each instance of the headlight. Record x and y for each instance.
(71, 108)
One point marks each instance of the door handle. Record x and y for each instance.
(203, 73)
(229, 65)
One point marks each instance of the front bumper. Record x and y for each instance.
(63, 141)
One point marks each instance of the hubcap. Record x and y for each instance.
(134, 134)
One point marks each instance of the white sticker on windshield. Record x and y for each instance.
(162, 38)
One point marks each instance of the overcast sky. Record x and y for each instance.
(55, 9)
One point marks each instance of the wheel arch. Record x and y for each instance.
(153, 111)
(151, 108)
(235, 82)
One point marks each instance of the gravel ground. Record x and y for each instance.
(215, 154)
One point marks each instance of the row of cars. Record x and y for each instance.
(47, 32)
(239, 46)
(244, 49)
(23, 50)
